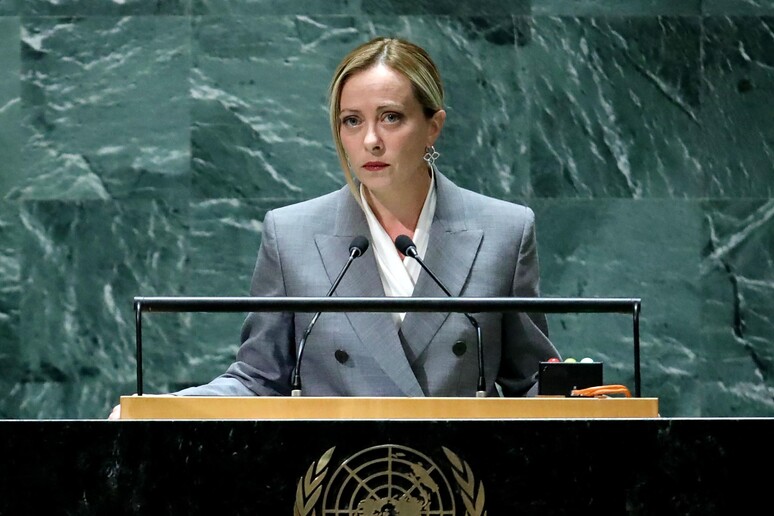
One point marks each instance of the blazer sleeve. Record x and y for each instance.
(525, 335)
(266, 357)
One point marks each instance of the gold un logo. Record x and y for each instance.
(388, 480)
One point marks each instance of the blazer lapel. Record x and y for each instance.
(376, 331)
(451, 251)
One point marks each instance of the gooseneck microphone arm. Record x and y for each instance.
(357, 248)
(406, 246)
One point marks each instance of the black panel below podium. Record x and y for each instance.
(525, 467)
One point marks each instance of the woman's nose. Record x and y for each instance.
(372, 139)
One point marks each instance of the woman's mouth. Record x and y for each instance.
(375, 165)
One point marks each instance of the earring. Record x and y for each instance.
(431, 155)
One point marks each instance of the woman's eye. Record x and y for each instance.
(392, 117)
(349, 121)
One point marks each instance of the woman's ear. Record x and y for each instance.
(436, 124)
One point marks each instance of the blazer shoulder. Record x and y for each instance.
(310, 217)
(317, 205)
(485, 208)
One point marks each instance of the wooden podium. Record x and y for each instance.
(352, 408)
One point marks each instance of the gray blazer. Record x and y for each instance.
(478, 247)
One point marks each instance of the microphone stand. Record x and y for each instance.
(411, 251)
(357, 248)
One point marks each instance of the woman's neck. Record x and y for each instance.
(398, 211)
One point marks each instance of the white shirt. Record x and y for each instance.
(399, 276)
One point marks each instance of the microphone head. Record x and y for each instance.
(359, 246)
(405, 245)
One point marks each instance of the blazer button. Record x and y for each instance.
(459, 348)
(341, 356)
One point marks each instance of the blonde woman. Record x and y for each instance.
(386, 113)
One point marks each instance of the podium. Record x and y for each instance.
(558, 466)
(385, 455)
(357, 408)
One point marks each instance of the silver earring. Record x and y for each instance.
(431, 155)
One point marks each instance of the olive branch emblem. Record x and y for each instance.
(310, 485)
(474, 503)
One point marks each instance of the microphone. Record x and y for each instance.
(357, 248)
(406, 246)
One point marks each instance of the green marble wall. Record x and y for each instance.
(142, 141)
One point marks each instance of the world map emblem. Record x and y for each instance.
(389, 480)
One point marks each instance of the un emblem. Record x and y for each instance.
(388, 480)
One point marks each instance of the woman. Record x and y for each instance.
(386, 113)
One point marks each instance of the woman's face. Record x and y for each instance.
(384, 130)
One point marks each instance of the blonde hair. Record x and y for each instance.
(403, 57)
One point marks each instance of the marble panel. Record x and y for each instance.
(485, 140)
(368, 7)
(617, 8)
(223, 244)
(105, 108)
(735, 7)
(10, 103)
(647, 249)
(737, 111)
(86, 398)
(105, 7)
(251, 139)
(260, 127)
(9, 7)
(81, 266)
(272, 7)
(737, 286)
(615, 107)
(10, 290)
(630, 109)
(451, 7)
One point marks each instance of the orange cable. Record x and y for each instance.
(601, 390)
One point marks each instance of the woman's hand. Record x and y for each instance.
(115, 414)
